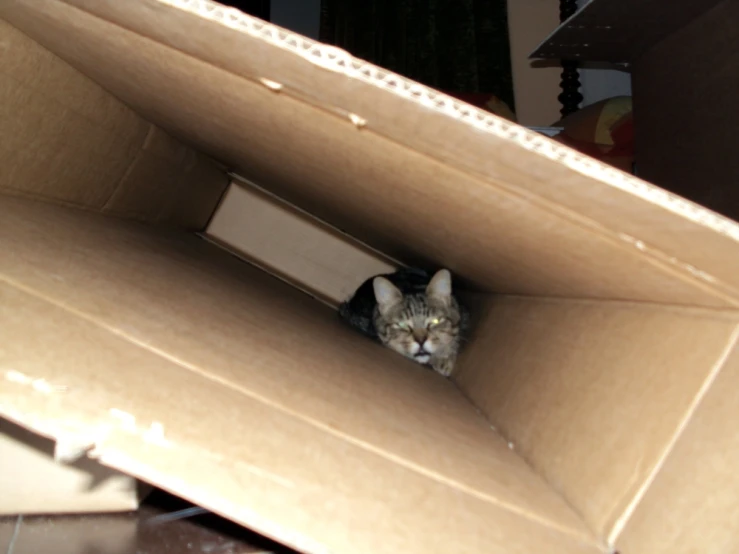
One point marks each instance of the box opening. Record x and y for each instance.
(600, 317)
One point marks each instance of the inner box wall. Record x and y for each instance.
(542, 370)
(176, 294)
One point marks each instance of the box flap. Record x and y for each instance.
(33, 482)
(619, 31)
(67, 140)
(293, 245)
(697, 481)
(594, 394)
(407, 170)
(212, 380)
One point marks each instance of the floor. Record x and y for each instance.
(157, 528)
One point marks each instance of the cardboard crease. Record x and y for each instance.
(621, 522)
(127, 422)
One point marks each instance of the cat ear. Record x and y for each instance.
(440, 286)
(386, 294)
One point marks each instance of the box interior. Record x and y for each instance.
(605, 308)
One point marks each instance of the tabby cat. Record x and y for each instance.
(413, 313)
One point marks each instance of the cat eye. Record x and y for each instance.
(435, 321)
(402, 325)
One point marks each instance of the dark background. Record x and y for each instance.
(257, 8)
(457, 46)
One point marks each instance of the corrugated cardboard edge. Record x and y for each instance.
(646, 233)
(649, 232)
(340, 61)
(531, 402)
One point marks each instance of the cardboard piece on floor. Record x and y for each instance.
(34, 483)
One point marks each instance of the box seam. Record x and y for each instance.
(106, 207)
(511, 445)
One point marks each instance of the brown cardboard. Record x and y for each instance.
(684, 79)
(601, 263)
(33, 483)
(610, 367)
(305, 252)
(117, 163)
(605, 307)
(698, 482)
(348, 415)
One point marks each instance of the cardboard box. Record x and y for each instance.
(37, 478)
(685, 73)
(596, 389)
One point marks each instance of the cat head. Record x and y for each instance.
(418, 325)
